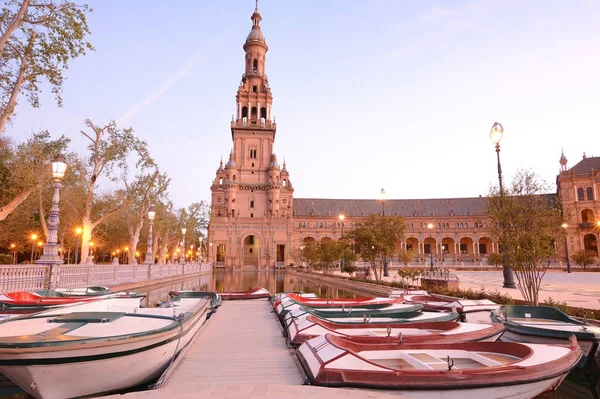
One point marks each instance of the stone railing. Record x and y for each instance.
(38, 277)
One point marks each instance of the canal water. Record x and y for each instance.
(229, 280)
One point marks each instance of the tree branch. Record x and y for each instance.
(12, 205)
(13, 26)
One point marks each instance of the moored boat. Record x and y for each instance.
(294, 301)
(255, 293)
(394, 310)
(548, 325)
(283, 295)
(94, 290)
(364, 319)
(471, 310)
(490, 370)
(215, 298)
(40, 300)
(438, 332)
(96, 347)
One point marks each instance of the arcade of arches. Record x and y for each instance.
(256, 221)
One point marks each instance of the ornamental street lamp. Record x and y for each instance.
(342, 217)
(495, 136)
(12, 248)
(149, 257)
(564, 226)
(33, 238)
(78, 231)
(182, 257)
(51, 256)
(430, 227)
(385, 259)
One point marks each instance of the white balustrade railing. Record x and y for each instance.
(37, 277)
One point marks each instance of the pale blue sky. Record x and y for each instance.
(367, 93)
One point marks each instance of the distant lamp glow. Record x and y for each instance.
(496, 133)
(183, 231)
(59, 167)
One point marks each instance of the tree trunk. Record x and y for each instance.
(12, 101)
(42, 213)
(13, 26)
(12, 205)
(86, 236)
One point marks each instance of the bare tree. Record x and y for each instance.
(109, 149)
(527, 224)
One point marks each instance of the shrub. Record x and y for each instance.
(349, 268)
(6, 259)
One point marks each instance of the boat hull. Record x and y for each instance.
(421, 371)
(61, 371)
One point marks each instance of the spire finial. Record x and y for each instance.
(256, 8)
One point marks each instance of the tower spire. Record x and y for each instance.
(256, 8)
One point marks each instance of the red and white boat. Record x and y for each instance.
(294, 301)
(256, 293)
(39, 300)
(491, 370)
(470, 310)
(302, 330)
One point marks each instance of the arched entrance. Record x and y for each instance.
(251, 249)
(590, 243)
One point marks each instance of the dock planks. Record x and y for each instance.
(242, 343)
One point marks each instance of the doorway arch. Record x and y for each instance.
(251, 250)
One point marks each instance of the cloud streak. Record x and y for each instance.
(182, 72)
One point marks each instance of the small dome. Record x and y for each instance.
(273, 164)
(221, 170)
(284, 171)
(255, 35)
(231, 163)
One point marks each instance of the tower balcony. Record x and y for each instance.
(254, 124)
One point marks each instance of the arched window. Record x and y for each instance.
(590, 193)
(580, 194)
(255, 66)
(244, 112)
(587, 216)
(233, 177)
(251, 204)
(220, 180)
(263, 112)
(590, 243)
(284, 182)
(253, 113)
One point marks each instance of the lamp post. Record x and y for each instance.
(430, 227)
(495, 136)
(51, 256)
(149, 256)
(33, 238)
(564, 226)
(385, 259)
(342, 217)
(12, 248)
(182, 257)
(78, 231)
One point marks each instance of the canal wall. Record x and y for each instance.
(355, 286)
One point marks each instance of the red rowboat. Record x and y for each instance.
(256, 293)
(440, 332)
(40, 299)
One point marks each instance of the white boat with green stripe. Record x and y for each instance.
(97, 347)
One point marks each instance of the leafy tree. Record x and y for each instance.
(26, 168)
(495, 259)
(377, 237)
(328, 253)
(584, 258)
(38, 40)
(406, 256)
(527, 224)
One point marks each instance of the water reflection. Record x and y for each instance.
(244, 280)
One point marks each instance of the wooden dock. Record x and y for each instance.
(241, 353)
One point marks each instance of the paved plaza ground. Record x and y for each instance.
(581, 289)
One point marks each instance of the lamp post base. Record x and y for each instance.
(509, 278)
(386, 264)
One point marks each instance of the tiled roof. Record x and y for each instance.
(402, 207)
(586, 165)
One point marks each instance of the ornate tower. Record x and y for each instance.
(251, 196)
